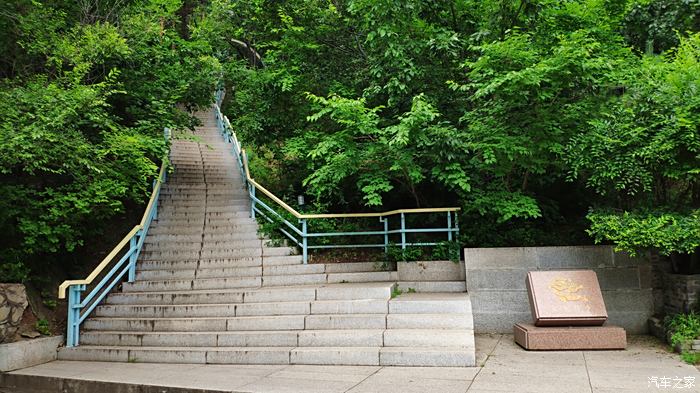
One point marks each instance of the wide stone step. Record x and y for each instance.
(197, 355)
(204, 310)
(183, 285)
(448, 338)
(181, 274)
(197, 244)
(203, 199)
(361, 356)
(284, 338)
(193, 264)
(166, 214)
(431, 303)
(433, 286)
(210, 229)
(210, 223)
(230, 253)
(329, 292)
(197, 324)
(234, 208)
(362, 277)
(214, 296)
(430, 321)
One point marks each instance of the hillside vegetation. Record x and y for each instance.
(546, 121)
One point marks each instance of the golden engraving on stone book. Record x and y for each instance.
(567, 290)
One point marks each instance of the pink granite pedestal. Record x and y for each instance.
(532, 337)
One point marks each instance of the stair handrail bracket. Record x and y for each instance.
(299, 233)
(79, 308)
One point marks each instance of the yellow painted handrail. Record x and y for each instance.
(154, 194)
(105, 262)
(339, 215)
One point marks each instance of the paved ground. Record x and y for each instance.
(505, 367)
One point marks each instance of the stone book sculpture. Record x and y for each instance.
(559, 298)
(568, 312)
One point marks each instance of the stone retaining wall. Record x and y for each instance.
(13, 301)
(496, 283)
(681, 292)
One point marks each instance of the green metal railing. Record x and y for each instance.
(301, 235)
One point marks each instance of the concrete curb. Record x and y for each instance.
(21, 354)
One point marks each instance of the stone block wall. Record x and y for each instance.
(681, 292)
(496, 283)
(13, 301)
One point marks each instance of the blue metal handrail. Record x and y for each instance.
(300, 234)
(79, 310)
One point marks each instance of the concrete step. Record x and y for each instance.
(353, 267)
(431, 303)
(191, 274)
(367, 356)
(204, 310)
(359, 356)
(275, 260)
(208, 222)
(323, 295)
(283, 338)
(352, 291)
(196, 355)
(279, 294)
(430, 321)
(446, 338)
(433, 286)
(183, 285)
(192, 264)
(197, 244)
(345, 321)
(362, 277)
(276, 270)
(228, 253)
(427, 357)
(197, 324)
(166, 214)
(295, 279)
(211, 228)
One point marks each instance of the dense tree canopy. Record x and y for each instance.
(530, 115)
(546, 121)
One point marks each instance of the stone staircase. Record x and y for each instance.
(210, 290)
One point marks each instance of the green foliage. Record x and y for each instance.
(447, 251)
(490, 106)
(13, 272)
(396, 291)
(395, 253)
(643, 153)
(691, 357)
(42, 326)
(656, 25)
(84, 103)
(632, 232)
(684, 329)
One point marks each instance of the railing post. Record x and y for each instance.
(403, 231)
(252, 200)
(73, 336)
(456, 226)
(132, 258)
(449, 226)
(385, 220)
(304, 241)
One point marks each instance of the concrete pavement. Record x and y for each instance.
(646, 366)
